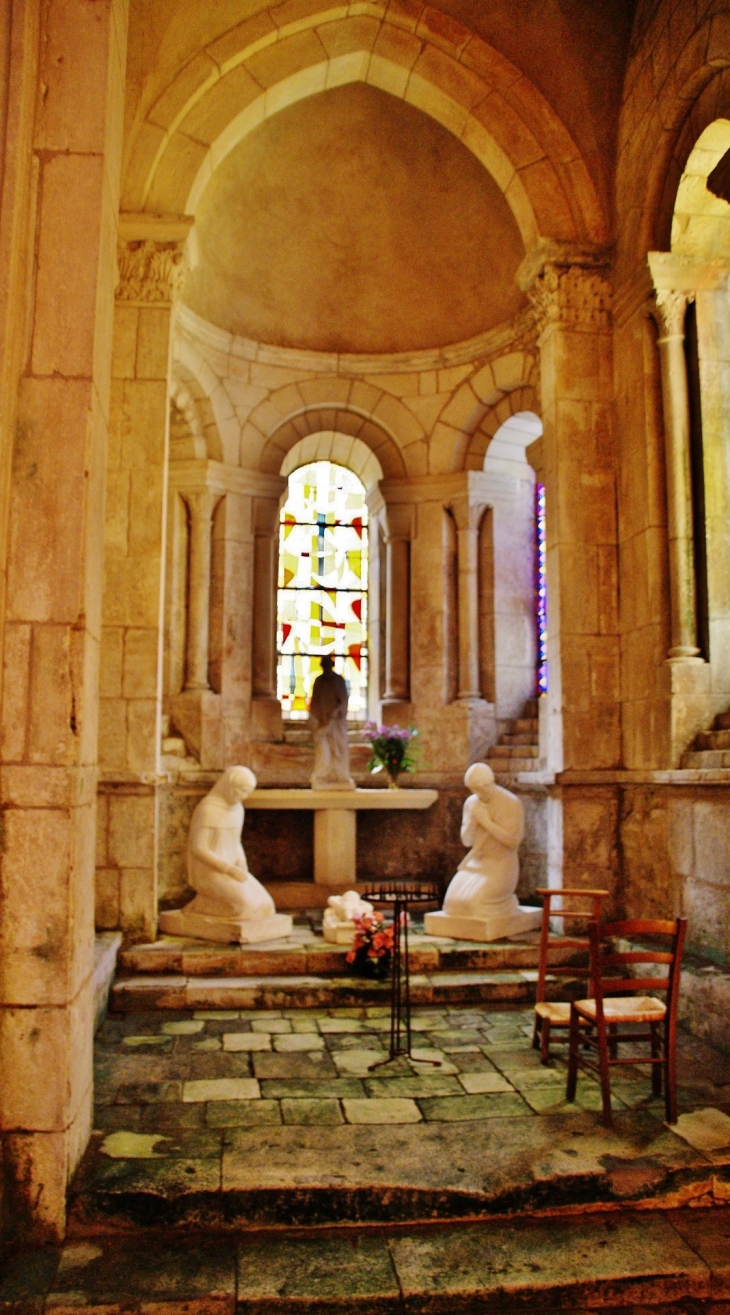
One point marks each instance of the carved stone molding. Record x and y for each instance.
(671, 309)
(572, 296)
(149, 272)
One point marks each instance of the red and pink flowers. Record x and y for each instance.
(372, 939)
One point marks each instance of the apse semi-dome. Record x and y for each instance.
(353, 222)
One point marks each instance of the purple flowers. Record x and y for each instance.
(392, 749)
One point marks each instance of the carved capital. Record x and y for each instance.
(150, 272)
(572, 296)
(671, 309)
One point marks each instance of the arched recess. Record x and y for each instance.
(661, 119)
(188, 395)
(342, 449)
(221, 425)
(441, 68)
(496, 391)
(519, 401)
(343, 421)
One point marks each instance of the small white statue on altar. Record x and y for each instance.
(230, 904)
(328, 721)
(338, 923)
(480, 903)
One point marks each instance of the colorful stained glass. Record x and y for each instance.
(542, 659)
(323, 582)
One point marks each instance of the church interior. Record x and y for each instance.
(398, 333)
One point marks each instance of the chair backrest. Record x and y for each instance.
(573, 906)
(604, 955)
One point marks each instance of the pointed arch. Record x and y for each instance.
(437, 65)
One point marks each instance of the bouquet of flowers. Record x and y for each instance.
(372, 947)
(392, 749)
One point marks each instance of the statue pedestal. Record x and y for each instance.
(495, 928)
(197, 926)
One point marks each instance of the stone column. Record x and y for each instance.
(265, 706)
(467, 518)
(201, 507)
(398, 520)
(150, 256)
(672, 307)
(59, 204)
(571, 298)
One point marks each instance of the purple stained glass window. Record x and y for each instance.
(541, 590)
(323, 583)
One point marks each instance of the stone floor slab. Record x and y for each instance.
(317, 1112)
(382, 1110)
(555, 1265)
(341, 1274)
(114, 1274)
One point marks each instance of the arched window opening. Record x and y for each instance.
(322, 602)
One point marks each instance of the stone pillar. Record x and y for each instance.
(398, 520)
(201, 506)
(150, 258)
(467, 518)
(60, 201)
(265, 706)
(686, 679)
(671, 307)
(571, 298)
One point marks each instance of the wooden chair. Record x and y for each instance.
(594, 1023)
(556, 1013)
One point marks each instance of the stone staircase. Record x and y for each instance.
(174, 752)
(308, 972)
(710, 749)
(518, 749)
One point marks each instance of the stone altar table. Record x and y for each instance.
(334, 821)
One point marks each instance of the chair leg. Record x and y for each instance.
(604, 1074)
(536, 1032)
(670, 1078)
(613, 1040)
(574, 1040)
(545, 1042)
(656, 1069)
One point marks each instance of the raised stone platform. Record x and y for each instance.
(306, 971)
(238, 1118)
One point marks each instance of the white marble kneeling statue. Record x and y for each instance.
(480, 903)
(338, 923)
(230, 904)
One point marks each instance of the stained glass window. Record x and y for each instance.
(542, 660)
(323, 583)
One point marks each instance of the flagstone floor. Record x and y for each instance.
(194, 1105)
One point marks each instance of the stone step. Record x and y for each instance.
(307, 954)
(511, 766)
(174, 746)
(718, 739)
(519, 737)
(530, 724)
(706, 759)
(674, 1260)
(140, 994)
(513, 751)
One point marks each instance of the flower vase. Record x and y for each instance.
(376, 969)
(393, 779)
